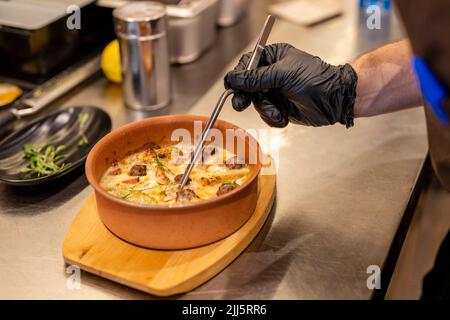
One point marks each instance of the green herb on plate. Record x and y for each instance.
(43, 160)
(83, 117)
(83, 141)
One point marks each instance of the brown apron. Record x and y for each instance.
(427, 23)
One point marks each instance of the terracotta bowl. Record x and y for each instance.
(168, 227)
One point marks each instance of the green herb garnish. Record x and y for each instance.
(132, 190)
(83, 117)
(159, 163)
(83, 141)
(162, 165)
(125, 196)
(231, 183)
(43, 161)
(82, 120)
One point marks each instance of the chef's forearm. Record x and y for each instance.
(386, 81)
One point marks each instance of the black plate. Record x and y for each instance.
(59, 128)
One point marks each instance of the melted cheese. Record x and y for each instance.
(158, 185)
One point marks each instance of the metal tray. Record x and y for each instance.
(230, 11)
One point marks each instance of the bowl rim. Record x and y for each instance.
(119, 131)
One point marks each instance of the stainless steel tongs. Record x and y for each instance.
(253, 63)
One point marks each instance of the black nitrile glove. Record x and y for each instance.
(293, 86)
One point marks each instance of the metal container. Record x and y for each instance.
(141, 28)
(38, 41)
(192, 28)
(230, 11)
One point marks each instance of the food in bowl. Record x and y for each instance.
(176, 225)
(152, 174)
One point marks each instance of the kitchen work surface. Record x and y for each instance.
(341, 193)
(92, 247)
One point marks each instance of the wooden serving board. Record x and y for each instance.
(93, 248)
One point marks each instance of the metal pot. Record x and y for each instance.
(192, 29)
(230, 11)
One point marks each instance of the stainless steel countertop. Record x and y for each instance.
(341, 194)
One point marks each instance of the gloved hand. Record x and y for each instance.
(290, 85)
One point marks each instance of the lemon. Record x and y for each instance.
(8, 93)
(110, 62)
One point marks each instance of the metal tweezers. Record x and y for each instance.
(253, 63)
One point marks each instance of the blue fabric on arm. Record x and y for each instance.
(432, 90)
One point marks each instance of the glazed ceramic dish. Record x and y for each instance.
(177, 224)
(59, 128)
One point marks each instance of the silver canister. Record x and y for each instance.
(192, 29)
(141, 29)
(230, 11)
